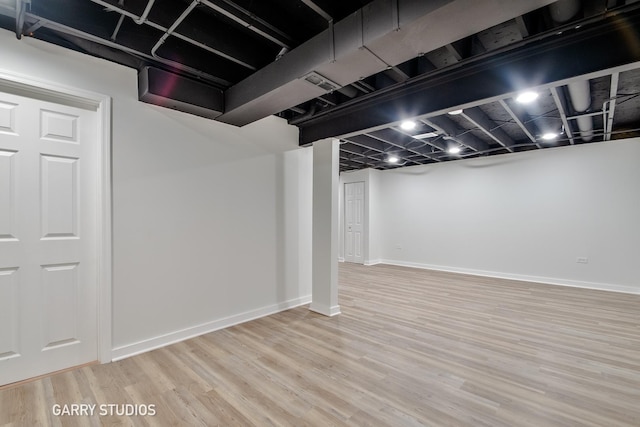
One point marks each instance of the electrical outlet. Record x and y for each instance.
(582, 260)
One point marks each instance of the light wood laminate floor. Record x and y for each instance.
(411, 347)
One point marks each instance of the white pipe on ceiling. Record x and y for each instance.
(579, 92)
(580, 95)
(145, 14)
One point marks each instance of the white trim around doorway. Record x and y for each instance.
(102, 105)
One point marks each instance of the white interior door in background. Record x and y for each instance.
(354, 222)
(48, 226)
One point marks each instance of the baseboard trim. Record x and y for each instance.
(139, 347)
(340, 259)
(519, 277)
(372, 262)
(325, 309)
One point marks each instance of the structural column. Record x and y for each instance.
(326, 170)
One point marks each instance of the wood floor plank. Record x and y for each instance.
(411, 348)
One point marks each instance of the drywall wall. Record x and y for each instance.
(524, 215)
(211, 223)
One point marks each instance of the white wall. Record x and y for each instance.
(524, 215)
(211, 223)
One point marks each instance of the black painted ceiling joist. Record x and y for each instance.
(612, 41)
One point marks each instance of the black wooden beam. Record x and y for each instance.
(612, 40)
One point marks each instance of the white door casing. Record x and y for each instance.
(55, 266)
(354, 222)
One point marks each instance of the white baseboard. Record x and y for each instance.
(325, 309)
(372, 262)
(129, 350)
(340, 259)
(519, 277)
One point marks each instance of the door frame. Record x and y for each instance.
(52, 92)
(343, 217)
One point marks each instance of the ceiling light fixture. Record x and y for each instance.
(425, 135)
(455, 112)
(549, 136)
(454, 150)
(392, 159)
(527, 97)
(408, 125)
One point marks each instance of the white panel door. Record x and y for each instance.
(48, 277)
(354, 222)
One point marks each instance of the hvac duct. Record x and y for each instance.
(579, 92)
(170, 90)
(580, 95)
(384, 33)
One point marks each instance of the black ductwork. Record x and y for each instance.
(174, 91)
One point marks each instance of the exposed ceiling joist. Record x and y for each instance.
(236, 55)
(317, 9)
(534, 64)
(390, 136)
(479, 119)
(451, 131)
(368, 142)
(520, 121)
(611, 107)
(362, 44)
(250, 21)
(563, 115)
(475, 57)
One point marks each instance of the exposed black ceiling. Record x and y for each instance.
(259, 54)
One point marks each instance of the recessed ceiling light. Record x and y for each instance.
(455, 112)
(527, 97)
(454, 150)
(392, 159)
(408, 125)
(549, 136)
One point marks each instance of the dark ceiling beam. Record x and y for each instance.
(492, 77)
(520, 117)
(366, 158)
(235, 56)
(349, 165)
(354, 158)
(479, 119)
(317, 9)
(55, 26)
(357, 150)
(365, 141)
(435, 142)
(448, 127)
(249, 21)
(390, 136)
(339, 53)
